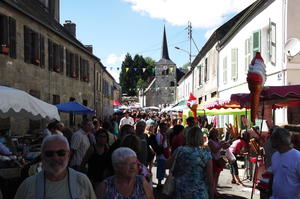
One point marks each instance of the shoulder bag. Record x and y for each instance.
(169, 186)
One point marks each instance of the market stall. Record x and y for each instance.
(17, 151)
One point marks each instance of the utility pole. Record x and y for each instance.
(190, 38)
(190, 53)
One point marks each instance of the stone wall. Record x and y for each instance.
(44, 83)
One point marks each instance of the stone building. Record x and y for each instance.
(44, 58)
(161, 91)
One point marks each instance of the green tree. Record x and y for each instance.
(135, 76)
(185, 66)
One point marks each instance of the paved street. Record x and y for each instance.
(228, 190)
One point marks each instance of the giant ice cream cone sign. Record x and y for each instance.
(192, 104)
(256, 79)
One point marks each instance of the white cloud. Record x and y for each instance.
(112, 63)
(113, 59)
(202, 13)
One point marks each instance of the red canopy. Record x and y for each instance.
(116, 103)
(279, 96)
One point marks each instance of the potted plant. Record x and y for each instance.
(4, 49)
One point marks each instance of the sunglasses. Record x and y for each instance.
(59, 153)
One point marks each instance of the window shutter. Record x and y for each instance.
(272, 44)
(234, 64)
(200, 75)
(3, 31)
(77, 65)
(27, 44)
(50, 54)
(56, 57)
(42, 51)
(225, 70)
(35, 47)
(12, 38)
(247, 54)
(256, 42)
(61, 58)
(81, 68)
(72, 65)
(205, 71)
(87, 74)
(68, 71)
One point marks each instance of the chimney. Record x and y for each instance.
(70, 27)
(89, 48)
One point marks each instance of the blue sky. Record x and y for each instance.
(115, 27)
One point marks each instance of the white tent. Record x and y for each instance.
(19, 104)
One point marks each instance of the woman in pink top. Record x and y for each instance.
(236, 148)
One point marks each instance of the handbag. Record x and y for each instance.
(169, 186)
(221, 163)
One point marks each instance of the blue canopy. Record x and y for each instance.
(75, 108)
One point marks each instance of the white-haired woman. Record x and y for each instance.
(125, 183)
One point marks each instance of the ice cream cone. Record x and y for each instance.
(255, 91)
(194, 110)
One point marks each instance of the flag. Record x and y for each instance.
(153, 70)
(144, 69)
(126, 69)
(135, 69)
(170, 70)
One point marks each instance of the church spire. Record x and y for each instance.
(164, 49)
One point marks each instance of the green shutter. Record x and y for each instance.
(234, 64)
(256, 42)
(225, 70)
(247, 54)
(273, 43)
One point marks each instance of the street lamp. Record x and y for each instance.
(188, 52)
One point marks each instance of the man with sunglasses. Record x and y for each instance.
(56, 180)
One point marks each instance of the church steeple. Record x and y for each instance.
(164, 49)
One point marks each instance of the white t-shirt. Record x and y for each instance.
(125, 120)
(80, 143)
(286, 171)
(58, 189)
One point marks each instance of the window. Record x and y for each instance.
(200, 76)
(247, 54)
(56, 99)
(234, 64)
(172, 84)
(72, 64)
(213, 94)
(84, 70)
(272, 45)
(256, 40)
(8, 36)
(199, 100)
(33, 47)
(56, 57)
(206, 70)
(112, 92)
(98, 81)
(165, 72)
(225, 70)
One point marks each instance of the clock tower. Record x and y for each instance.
(165, 77)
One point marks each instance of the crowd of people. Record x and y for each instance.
(118, 156)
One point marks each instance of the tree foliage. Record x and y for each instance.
(136, 73)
